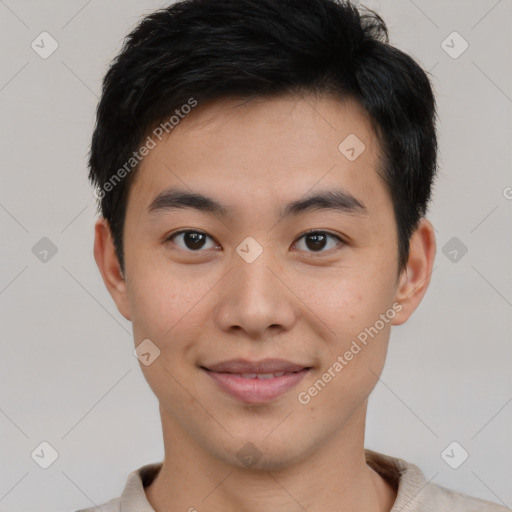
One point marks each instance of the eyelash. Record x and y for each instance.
(314, 231)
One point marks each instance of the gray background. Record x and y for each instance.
(67, 372)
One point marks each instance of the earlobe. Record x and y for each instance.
(415, 279)
(108, 265)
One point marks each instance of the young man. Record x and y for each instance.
(264, 169)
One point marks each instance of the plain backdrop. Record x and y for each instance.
(68, 376)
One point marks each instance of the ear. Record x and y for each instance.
(415, 278)
(108, 264)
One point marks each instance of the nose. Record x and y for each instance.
(255, 298)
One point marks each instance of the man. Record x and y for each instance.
(264, 169)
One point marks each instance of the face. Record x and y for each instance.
(271, 309)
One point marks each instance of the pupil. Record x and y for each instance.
(194, 239)
(315, 245)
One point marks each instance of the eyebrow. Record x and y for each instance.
(329, 199)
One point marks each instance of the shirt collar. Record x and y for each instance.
(133, 498)
(405, 477)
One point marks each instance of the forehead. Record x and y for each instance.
(265, 148)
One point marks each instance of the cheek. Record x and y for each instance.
(169, 309)
(348, 302)
(165, 312)
(158, 307)
(351, 366)
(358, 313)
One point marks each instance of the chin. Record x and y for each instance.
(254, 453)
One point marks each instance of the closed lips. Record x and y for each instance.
(256, 382)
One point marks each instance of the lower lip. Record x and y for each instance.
(255, 391)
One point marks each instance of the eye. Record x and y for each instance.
(316, 240)
(191, 239)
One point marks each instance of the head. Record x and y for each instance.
(225, 117)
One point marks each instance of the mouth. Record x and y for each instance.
(258, 381)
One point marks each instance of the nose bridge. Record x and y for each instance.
(254, 298)
(256, 279)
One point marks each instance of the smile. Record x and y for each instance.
(256, 382)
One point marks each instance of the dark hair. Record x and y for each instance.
(200, 50)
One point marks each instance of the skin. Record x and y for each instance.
(294, 302)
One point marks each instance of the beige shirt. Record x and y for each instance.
(414, 492)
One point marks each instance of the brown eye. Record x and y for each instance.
(316, 241)
(189, 240)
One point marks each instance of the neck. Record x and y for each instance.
(333, 476)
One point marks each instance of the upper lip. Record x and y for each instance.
(258, 367)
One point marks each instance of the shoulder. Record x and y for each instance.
(417, 494)
(133, 497)
(441, 498)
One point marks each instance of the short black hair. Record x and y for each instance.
(194, 51)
